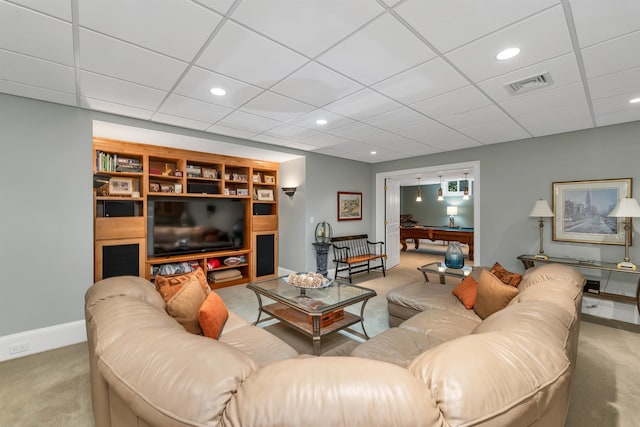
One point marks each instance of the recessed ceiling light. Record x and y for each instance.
(218, 91)
(321, 122)
(508, 53)
(374, 152)
(634, 101)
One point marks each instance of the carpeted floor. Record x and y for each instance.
(52, 388)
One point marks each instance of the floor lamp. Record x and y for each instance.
(541, 210)
(626, 208)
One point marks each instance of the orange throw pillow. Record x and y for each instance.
(212, 315)
(169, 286)
(466, 292)
(505, 276)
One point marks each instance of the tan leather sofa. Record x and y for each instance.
(513, 368)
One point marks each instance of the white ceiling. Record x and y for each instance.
(402, 78)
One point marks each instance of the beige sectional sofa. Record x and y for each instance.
(441, 367)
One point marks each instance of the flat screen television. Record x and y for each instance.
(179, 226)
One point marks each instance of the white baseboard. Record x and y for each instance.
(43, 339)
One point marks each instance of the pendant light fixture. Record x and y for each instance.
(466, 187)
(418, 192)
(440, 196)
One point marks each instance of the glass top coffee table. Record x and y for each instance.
(442, 270)
(313, 311)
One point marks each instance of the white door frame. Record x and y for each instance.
(380, 198)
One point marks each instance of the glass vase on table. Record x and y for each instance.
(454, 258)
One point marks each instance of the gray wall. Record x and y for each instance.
(433, 212)
(291, 218)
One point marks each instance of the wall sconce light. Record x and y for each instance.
(418, 192)
(289, 191)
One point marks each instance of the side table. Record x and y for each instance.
(529, 261)
(442, 270)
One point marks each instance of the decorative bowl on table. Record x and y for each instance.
(307, 280)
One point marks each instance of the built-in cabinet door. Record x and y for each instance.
(265, 255)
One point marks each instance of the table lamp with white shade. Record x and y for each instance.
(626, 208)
(452, 211)
(541, 210)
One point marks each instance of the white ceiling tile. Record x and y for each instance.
(353, 147)
(330, 151)
(308, 120)
(198, 82)
(220, 6)
(108, 56)
(557, 120)
(450, 140)
(301, 146)
(539, 38)
(424, 81)
(457, 101)
(225, 130)
(599, 60)
(624, 82)
(452, 23)
(396, 119)
(356, 131)
(533, 102)
(15, 36)
(58, 8)
(317, 85)
(487, 114)
(177, 29)
(391, 2)
(290, 131)
(36, 72)
(244, 55)
(120, 92)
(277, 107)
(413, 148)
(34, 92)
(597, 20)
(622, 116)
(616, 103)
(363, 104)
(193, 109)
(386, 139)
(248, 122)
(383, 48)
(311, 26)
(180, 121)
(563, 71)
(267, 139)
(114, 108)
(322, 140)
(421, 131)
(495, 132)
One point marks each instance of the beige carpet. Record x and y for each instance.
(52, 388)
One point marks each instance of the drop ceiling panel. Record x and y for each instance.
(624, 82)
(34, 92)
(563, 71)
(277, 107)
(490, 113)
(308, 120)
(422, 131)
(58, 8)
(495, 132)
(540, 38)
(452, 23)
(557, 119)
(362, 104)
(381, 49)
(111, 57)
(457, 101)
(356, 131)
(198, 82)
(122, 19)
(114, 108)
(450, 140)
(311, 26)
(598, 60)
(180, 121)
(421, 82)
(322, 140)
(13, 37)
(189, 108)
(396, 119)
(317, 85)
(225, 130)
(244, 55)
(597, 21)
(220, 6)
(536, 101)
(290, 131)
(36, 72)
(248, 122)
(114, 90)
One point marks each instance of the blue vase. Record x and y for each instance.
(454, 258)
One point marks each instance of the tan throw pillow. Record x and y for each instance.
(169, 286)
(212, 315)
(466, 292)
(492, 295)
(506, 276)
(185, 304)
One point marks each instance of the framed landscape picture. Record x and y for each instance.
(349, 206)
(581, 211)
(265, 194)
(121, 186)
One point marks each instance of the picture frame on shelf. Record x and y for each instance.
(120, 186)
(166, 188)
(349, 206)
(257, 178)
(154, 187)
(226, 191)
(581, 210)
(178, 173)
(243, 192)
(265, 194)
(269, 179)
(209, 173)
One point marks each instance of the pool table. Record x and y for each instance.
(448, 234)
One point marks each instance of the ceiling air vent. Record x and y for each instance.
(529, 84)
